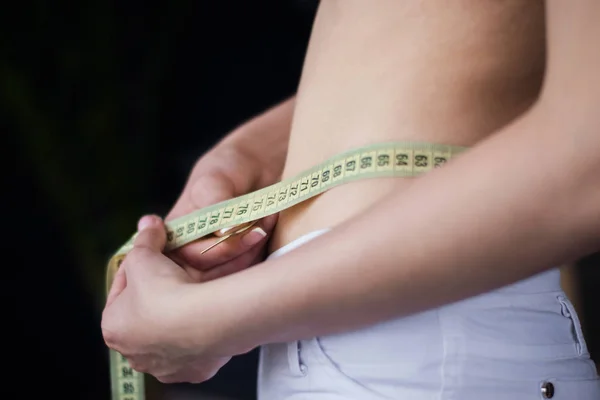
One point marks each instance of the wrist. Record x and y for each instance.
(209, 323)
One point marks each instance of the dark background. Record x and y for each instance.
(104, 107)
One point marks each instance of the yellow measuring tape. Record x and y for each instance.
(231, 217)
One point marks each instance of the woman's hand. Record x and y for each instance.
(146, 312)
(249, 158)
(223, 173)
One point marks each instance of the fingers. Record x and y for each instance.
(240, 263)
(118, 285)
(225, 251)
(228, 250)
(145, 262)
(201, 191)
(151, 234)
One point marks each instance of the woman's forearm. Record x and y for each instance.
(525, 200)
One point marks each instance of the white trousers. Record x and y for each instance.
(521, 342)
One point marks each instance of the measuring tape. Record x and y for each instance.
(231, 217)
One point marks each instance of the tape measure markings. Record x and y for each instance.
(394, 159)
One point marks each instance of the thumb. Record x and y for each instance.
(145, 261)
(151, 234)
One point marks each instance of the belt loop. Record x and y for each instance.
(297, 367)
(568, 310)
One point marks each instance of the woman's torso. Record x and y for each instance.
(449, 72)
(385, 70)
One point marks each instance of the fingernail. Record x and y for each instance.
(254, 236)
(147, 221)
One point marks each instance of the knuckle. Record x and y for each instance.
(111, 334)
(139, 366)
(136, 256)
(110, 338)
(203, 376)
(117, 334)
(141, 239)
(167, 379)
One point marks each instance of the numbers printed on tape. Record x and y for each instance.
(400, 159)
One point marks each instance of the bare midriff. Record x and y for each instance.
(450, 72)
